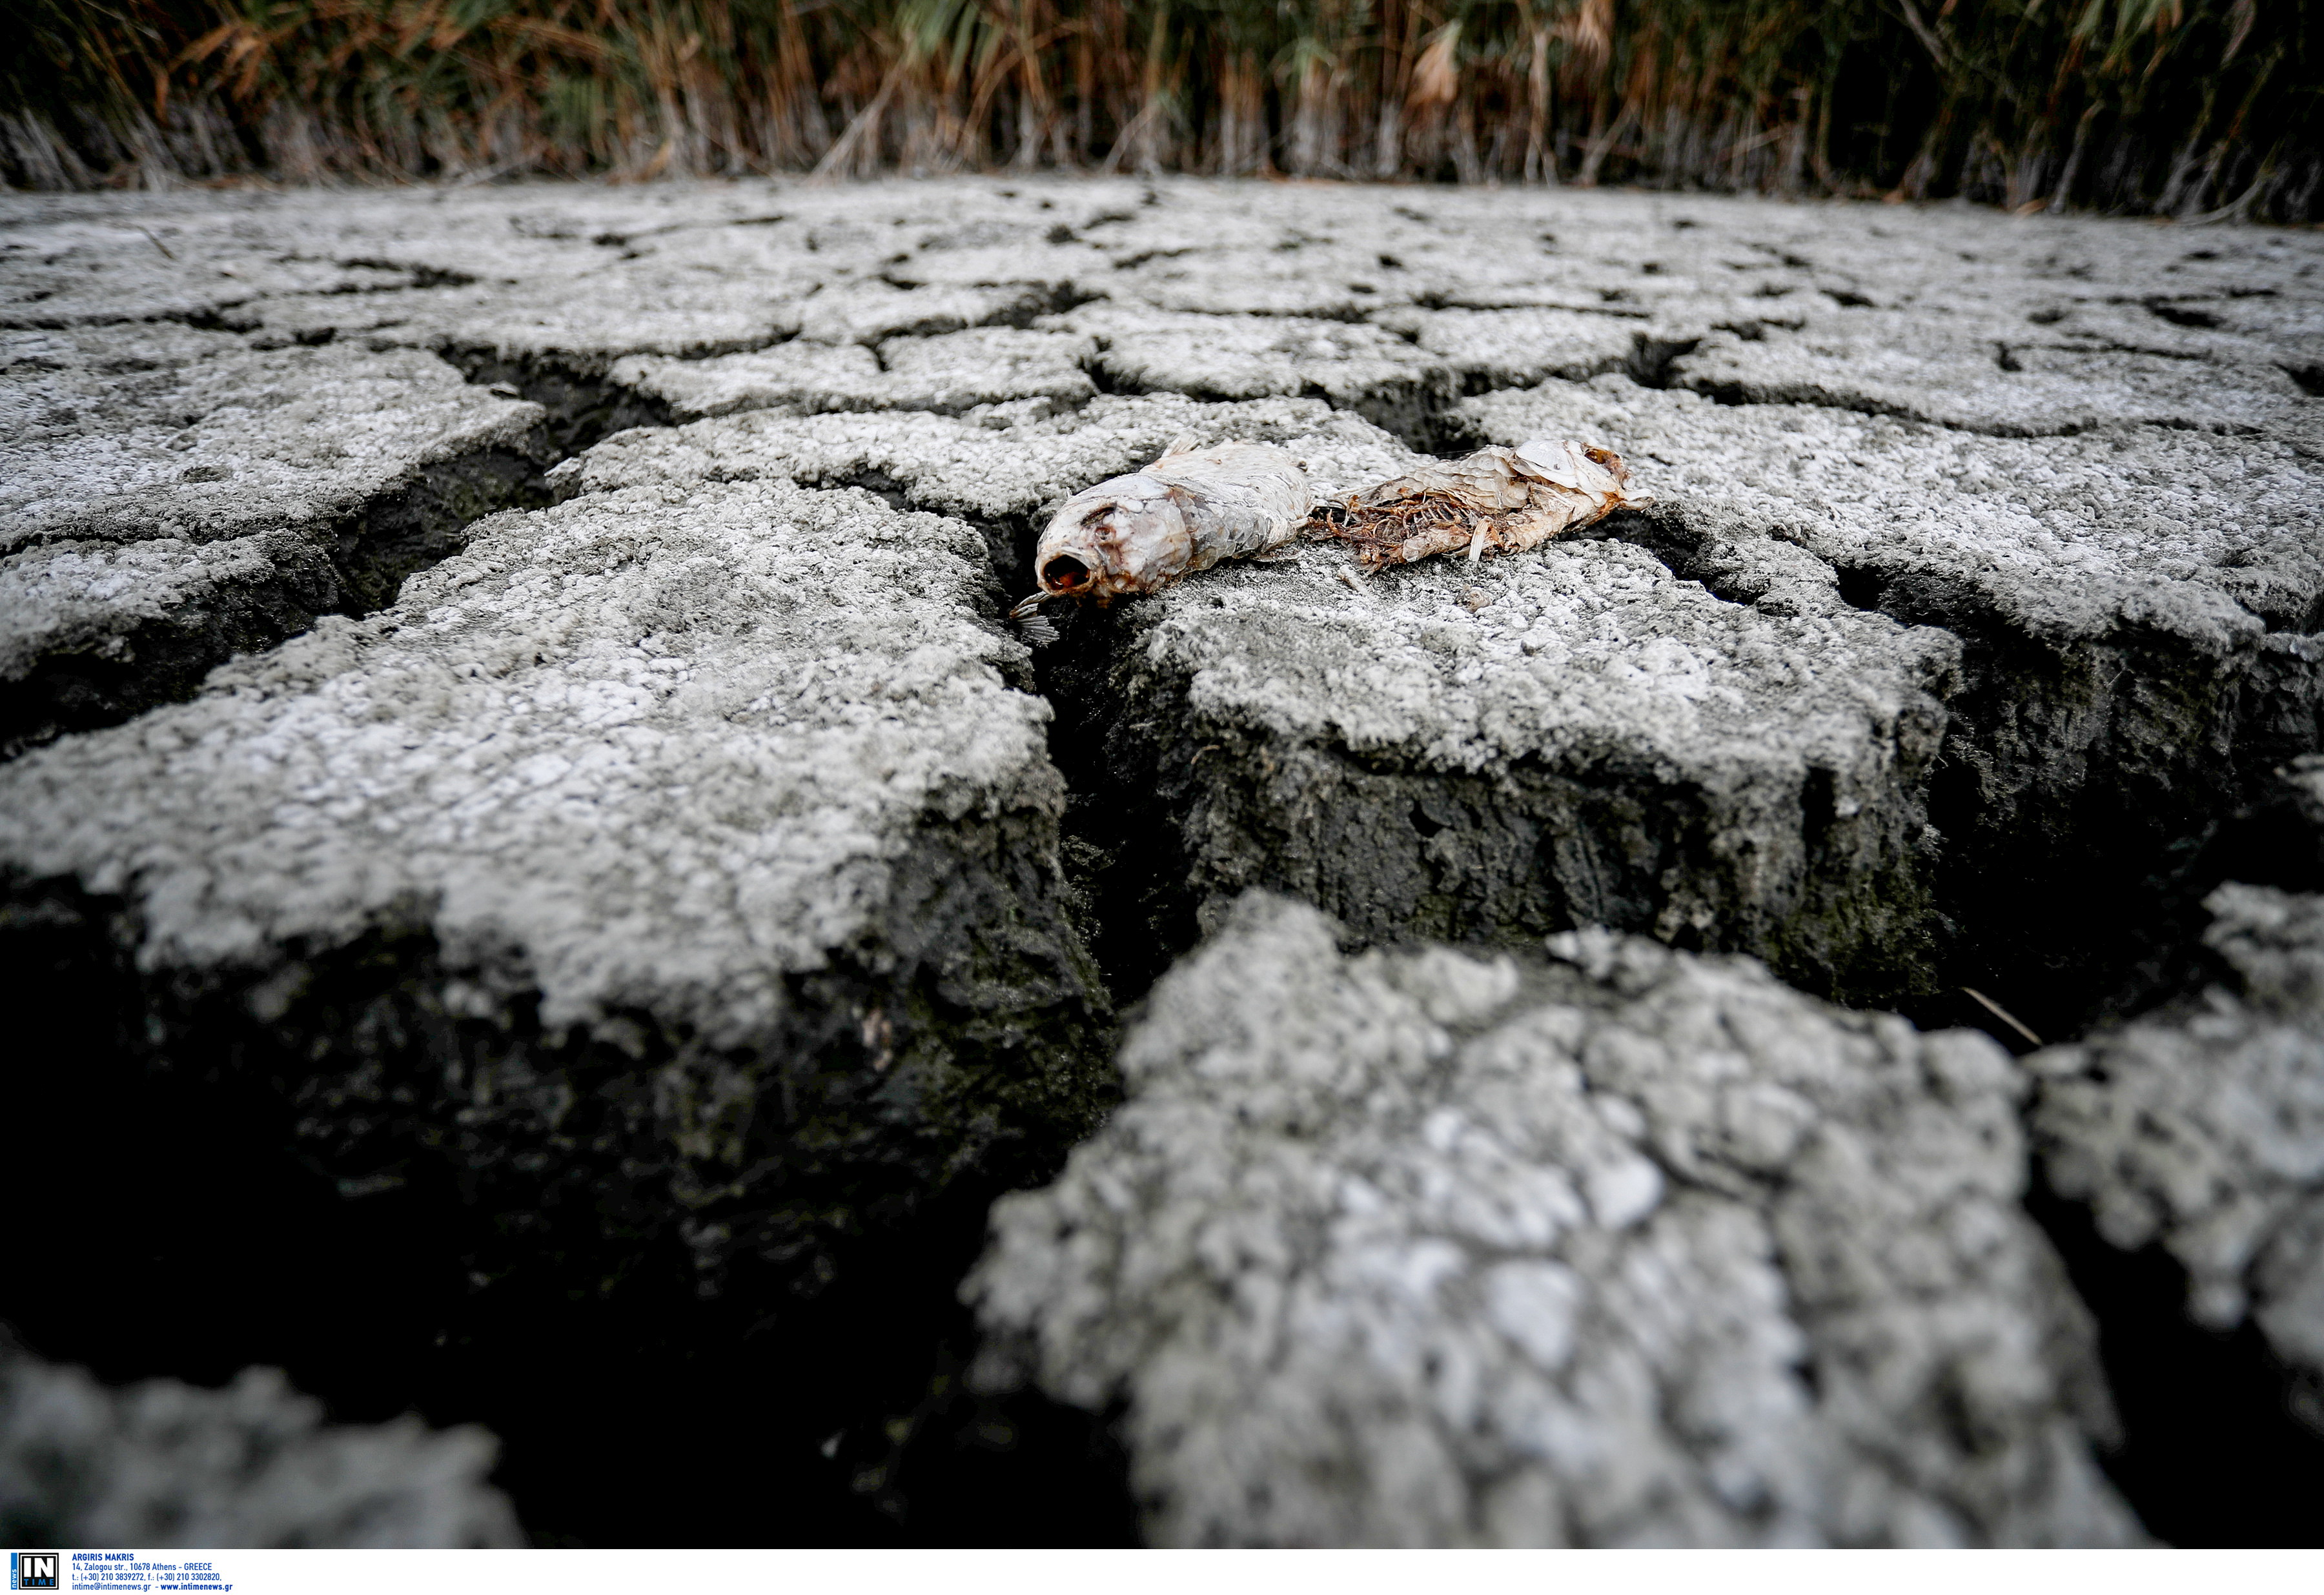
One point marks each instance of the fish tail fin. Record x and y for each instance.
(1036, 627)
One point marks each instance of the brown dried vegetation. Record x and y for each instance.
(1497, 501)
(2187, 107)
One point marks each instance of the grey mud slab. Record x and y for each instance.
(163, 1463)
(1623, 1248)
(677, 862)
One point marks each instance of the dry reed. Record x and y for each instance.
(2191, 108)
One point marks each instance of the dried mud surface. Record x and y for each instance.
(509, 727)
(1628, 1248)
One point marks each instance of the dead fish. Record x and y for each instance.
(1497, 501)
(1185, 513)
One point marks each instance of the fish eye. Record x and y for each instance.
(1064, 571)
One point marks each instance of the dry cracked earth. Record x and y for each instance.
(543, 900)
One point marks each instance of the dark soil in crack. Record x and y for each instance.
(1812, 396)
(1654, 361)
(378, 545)
(1127, 861)
(648, 1419)
(583, 406)
(2268, 842)
(2210, 1455)
(964, 1468)
(2075, 860)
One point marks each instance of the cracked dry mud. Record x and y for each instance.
(249, 1465)
(512, 735)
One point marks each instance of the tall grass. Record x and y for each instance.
(2185, 108)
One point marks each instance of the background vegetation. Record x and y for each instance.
(2186, 108)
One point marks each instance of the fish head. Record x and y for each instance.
(1599, 472)
(1128, 535)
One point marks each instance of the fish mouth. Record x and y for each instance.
(1065, 573)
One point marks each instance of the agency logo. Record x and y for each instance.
(33, 1570)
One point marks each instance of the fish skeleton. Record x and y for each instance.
(1497, 500)
(1185, 513)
